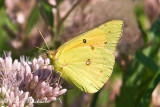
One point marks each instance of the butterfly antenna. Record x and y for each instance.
(58, 81)
(40, 48)
(43, 39)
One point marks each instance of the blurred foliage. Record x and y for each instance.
(139, 78)
(141, 19)
(47, 13)
(33, 18)
(1, 3)
(4, 36)
(142, 75)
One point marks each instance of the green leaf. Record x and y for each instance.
(146, 61)
(47, 13)
(72, 95)
(147, 96)
(143, 74)
(155, 28)
(141, 17)
(103, 97)
(135, 82)
(1, 3)
(154, 50)
(4, 36)
(155, 31)
(33, 18)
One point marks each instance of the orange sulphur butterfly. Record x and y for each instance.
(87, 60)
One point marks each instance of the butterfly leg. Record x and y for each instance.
(50, 72)
(44, 65)
(60, 75)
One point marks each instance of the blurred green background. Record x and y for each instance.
(136, 74)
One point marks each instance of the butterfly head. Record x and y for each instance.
(50, 54)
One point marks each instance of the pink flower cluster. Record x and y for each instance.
(24, 82)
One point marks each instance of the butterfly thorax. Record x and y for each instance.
(51, 56)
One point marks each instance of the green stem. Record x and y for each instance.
(147, 96)
(65, 103)
(56, 27)
(94, 99)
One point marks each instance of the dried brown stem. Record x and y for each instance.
(46, 1)
(68, 13)
(61, 21)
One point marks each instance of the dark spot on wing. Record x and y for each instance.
(105, 43)
(84, 41)
(109, 31)
(92, 47)
(88, 62)
(101, 71)
(61, 68)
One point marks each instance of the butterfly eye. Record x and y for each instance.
(84, 41)
(50, 56)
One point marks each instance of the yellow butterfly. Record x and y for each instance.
(87, 60)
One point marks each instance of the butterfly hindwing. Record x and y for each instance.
(86, 68)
